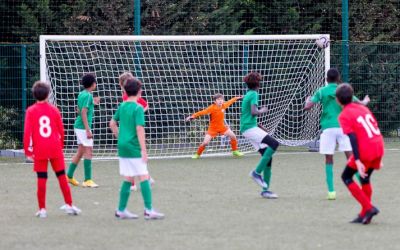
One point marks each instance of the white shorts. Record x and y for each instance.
(132, 167)
(255, 136)
(330, 137)
(82, 138)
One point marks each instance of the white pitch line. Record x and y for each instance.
(250, 154)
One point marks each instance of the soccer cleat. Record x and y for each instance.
(257, 178)
(369, 214)
(196, 156)
(331, 196)
(89, 183)
(134, 188)
(358, 219)
(125, 215)
(41, 213)
(237, 153)
(73, 181)
(269, 195)
(71, 210)
(152, 215)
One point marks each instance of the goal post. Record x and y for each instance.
(180, 74)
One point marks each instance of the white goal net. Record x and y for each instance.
(180, 75)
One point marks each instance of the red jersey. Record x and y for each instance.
(141, 100)
(358, 119)
(44, 132)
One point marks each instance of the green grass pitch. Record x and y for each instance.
(209, 203)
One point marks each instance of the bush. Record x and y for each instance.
(8, 120)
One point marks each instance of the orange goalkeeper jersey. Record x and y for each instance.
(217, 114)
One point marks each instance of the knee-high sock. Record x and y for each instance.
(367, 189)
(65, 189)
(234, 144)
(329, 177)
(267, 176)
(71, 169)
(200, 150)
(41, 192)
(266, 157)
(124, 194)
(360, 196)
(87, 164)
(146, 194)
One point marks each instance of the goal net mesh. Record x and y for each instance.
(180, 78)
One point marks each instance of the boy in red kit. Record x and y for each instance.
(44, 127)
(360, 125)
(122, 80)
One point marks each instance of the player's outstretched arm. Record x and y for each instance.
(189, 118)
(232, 101)
(309, 104)
(256, 112)
(366, 100)
(114, 127)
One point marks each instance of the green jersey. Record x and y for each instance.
(85, 100)
(129, 115)
(247, 120)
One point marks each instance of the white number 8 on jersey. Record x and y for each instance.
(45, 129)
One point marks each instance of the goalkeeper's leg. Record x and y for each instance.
(234, 143)
(202, 146)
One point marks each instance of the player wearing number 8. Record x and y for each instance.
(366, 140)
(44, 127)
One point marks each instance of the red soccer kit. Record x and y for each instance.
(44, 136)
(141, 100)
(358, 119)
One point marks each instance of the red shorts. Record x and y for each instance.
(57, 164)
(375, 163)
(215, 132)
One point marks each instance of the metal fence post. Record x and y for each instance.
(23, 79)
(345, 41)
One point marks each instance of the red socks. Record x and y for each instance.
(41, 192)
(66, 191)
(234, 144)
(367, 189)
(200, 150)
(360, 196)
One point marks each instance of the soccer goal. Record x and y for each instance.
(180, 76)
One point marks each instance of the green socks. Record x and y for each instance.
(267, 156)
(146, 193)
(267, 177)
(71, 169)
(124, 195)
(87, 164)
(329, 177)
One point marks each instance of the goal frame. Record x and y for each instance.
(44, 38)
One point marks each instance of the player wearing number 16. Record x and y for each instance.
(44, 142)
(360, 125)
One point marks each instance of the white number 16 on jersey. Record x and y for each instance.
(367, 123)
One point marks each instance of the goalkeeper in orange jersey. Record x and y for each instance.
(217, 125)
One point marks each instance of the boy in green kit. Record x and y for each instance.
(132, 152)
(332, 134)
(83, 132)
